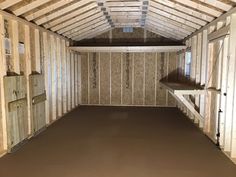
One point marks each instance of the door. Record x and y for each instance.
(16, 109)
(38, 97)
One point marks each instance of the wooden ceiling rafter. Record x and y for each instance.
(68, 17)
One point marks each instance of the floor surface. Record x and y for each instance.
(119, 142)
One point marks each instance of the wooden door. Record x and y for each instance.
(38, 97)
(16, 109)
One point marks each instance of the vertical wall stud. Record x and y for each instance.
(28, 73)
(59, 77)
(46, 75)
(79, 75)
(37, 51)
(231, 95)
(64, 76)
(15, 47)
(3, 71)
(76, 79)
(68, 59)
(54, 77)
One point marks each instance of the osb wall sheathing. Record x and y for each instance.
(116, 78)
(138, 82)
(150, 72)
(128, 78)
(84, 78)
(162, 71)
(93, 78)
(105, 78)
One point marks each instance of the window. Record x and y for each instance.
(127, 30)
(188, 59)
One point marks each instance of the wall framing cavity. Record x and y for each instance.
(33, 69)
(213, 51)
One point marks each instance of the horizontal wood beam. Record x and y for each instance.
(127, 48)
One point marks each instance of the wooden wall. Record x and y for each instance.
(124, 79)
(213, 64)
(38, 74)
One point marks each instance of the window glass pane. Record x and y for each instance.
(188, 59)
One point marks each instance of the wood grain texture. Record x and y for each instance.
(150, 78)
(38, 110)
(84, 78)
(17, 122)
(1, 126)
(105, 78)
(172, 74)
(134, 78)
(138, 78)
(93, 78)
(116, 78)
(127, 78)
(161, 73)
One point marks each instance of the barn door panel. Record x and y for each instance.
(16, 109)
(38, 98)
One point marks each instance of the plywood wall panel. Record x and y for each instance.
(161, 93)
(127, 70)
(126, 78)
(84, 78)
(138, 95)
(150, 62)
(116, 78)
(105, 78)
(93, 78)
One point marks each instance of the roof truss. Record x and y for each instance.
(175, 19)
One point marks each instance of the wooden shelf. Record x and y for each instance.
(183, 88)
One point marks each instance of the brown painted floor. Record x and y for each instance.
(119, 142)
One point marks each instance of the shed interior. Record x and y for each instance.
(60, 56)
